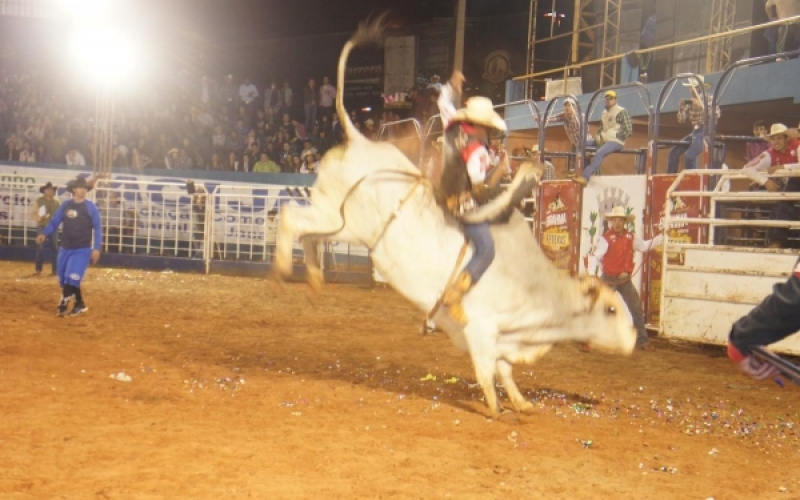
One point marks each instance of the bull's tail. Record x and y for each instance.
(368, 32)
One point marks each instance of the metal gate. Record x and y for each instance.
(705, 287)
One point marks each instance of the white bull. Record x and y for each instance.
(370, 193)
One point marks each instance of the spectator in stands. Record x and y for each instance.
(327, 98)
(229, 95)
(369, 129)
(234, 144)
(12, 148)
(139, 160)
(572, 123)
(549, 173)
(248, 93)
(287, 97)
(783, 153)
(215, 163)
(694, 111)
(171, 160)
(615, 128)
(788, 34)
(232, 162)
(272, 97)
(435, 84)
(218, 139)
(323, 142)
(207, 90)
(54, 148)
(27, 155)
(295, 163)
(755, 148)
(309, 165)
(310, 97)
(265, 165)
(74, 158)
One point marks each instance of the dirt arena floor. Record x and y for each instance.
(238, 391)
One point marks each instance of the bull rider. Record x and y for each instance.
(468, 180)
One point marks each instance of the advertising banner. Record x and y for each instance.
(558, 223)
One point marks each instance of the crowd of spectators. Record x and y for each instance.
(198, 123)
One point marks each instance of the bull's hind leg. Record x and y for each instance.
(518, 401)
(482, 350)
(314, 274)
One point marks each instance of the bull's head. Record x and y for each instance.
(608, 325)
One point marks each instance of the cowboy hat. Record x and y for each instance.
(49, 185)
(79, 182)
(692, 82)
(618, 212)
(440, 140)
(781, 129)
(479, 110)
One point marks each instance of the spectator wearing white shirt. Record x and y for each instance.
(74, 158)
(247, 92)
(327, 98)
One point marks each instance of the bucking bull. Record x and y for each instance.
(369, 193)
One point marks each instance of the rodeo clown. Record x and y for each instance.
(466, 181)
(776, 318)
(79, 216)
(615, 252)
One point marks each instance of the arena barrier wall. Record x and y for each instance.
(150, 223)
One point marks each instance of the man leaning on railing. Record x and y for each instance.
(783, 153)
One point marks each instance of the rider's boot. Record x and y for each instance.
(453, 296)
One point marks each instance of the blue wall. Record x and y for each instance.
(765, 82)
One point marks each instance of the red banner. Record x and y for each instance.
(558, 223)
(687, 233)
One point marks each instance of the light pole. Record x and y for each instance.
(104, 55)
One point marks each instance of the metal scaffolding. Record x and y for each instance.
(610, 42)
(584, 35)
(718, 50)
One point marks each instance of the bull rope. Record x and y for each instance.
(451, 280)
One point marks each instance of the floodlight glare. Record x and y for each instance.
(86, 9)
(103, 54)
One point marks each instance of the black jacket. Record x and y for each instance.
(777, 317)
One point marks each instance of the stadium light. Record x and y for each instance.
(106, 55)
(86, 9)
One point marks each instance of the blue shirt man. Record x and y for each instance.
(79, 217)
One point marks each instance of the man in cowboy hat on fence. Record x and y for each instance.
(615, 251)
(467, 180)
(80, 218)
(43, 210)
(783, 153)
(694, 111)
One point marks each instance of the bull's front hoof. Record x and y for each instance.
(523, 407)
